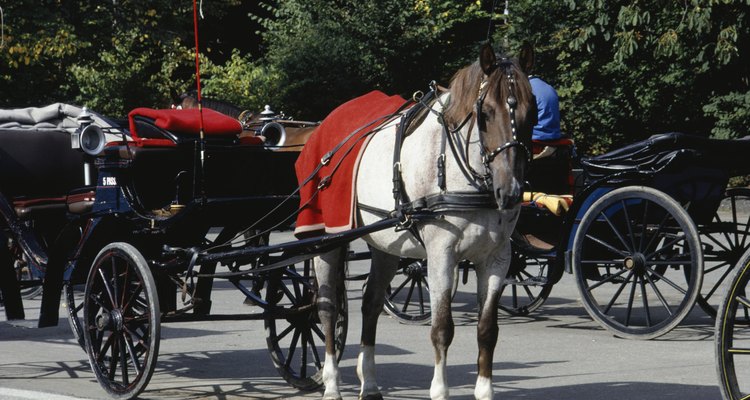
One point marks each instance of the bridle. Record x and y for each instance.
(488, 156)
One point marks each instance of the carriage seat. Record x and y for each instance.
(546, 148)
(167, 127)
(551, 168)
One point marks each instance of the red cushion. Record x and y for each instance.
(187, 121)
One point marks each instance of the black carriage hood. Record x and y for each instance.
(659, 151)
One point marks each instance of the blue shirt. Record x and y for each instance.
(548, 109)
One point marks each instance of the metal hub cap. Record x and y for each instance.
(635, 262)
(109, 320)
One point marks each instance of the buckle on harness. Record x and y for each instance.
(326, 158)
(324, 182)
(405, 222)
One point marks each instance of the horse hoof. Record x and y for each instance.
(372, 396)
(332, 398)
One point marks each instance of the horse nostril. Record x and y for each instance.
(510, 200)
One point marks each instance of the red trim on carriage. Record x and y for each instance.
(145, 142)
(187, 121)
(539, 145)
(24, 203)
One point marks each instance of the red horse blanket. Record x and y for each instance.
(331, 209)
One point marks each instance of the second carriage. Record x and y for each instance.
(98, 220)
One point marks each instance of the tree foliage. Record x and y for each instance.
(628, 69)
(330, 51)
(624, 69)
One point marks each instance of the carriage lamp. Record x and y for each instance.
(89, 137)
(273, 132)
(83, 120)
(267, 115)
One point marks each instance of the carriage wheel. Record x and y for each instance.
(732, 338)
(294, 334)
(637, 261)
(527, 286)
(74, 305)
(121, 320)
(724, 240)
(407, 299)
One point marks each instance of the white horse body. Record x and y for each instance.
(466, 230)
(479, 235)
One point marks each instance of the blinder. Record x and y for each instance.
(512, 102)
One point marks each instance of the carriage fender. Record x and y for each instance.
(568, 257)
(60, 252)
(68, 250)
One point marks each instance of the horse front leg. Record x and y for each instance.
(441, 276)
(383, 268)
(329, 271)
(490, 279)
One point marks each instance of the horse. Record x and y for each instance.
(282, 134)
(489, 112)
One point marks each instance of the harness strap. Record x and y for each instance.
(407, 119)
(453, 201)
(457, 155)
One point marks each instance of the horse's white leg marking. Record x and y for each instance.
(483, 389)
(329, 273)
(489, 282)
(442, 336)
(383, 268)
(366, 373)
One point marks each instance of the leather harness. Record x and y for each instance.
(484, 196)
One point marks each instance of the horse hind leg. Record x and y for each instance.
(383, 268)
(329, 271)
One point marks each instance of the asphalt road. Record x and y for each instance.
(556, 353)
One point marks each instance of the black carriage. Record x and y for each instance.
(137, 240)
(651, 231)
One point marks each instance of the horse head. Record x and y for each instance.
(496, 96)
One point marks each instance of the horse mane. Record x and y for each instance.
(464, 89)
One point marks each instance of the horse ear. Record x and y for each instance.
(487, 58)
(527, 57)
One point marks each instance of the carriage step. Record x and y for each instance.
(533, 281)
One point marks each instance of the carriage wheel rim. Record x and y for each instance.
(726, 350)
(637, 284)
(121, 321)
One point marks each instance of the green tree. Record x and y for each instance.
(628, 69)
(109, 55)
(327, 52)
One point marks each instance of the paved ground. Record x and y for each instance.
(557, 353)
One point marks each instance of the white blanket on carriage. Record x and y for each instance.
(54, 116)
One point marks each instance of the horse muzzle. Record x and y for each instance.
(507, 200)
